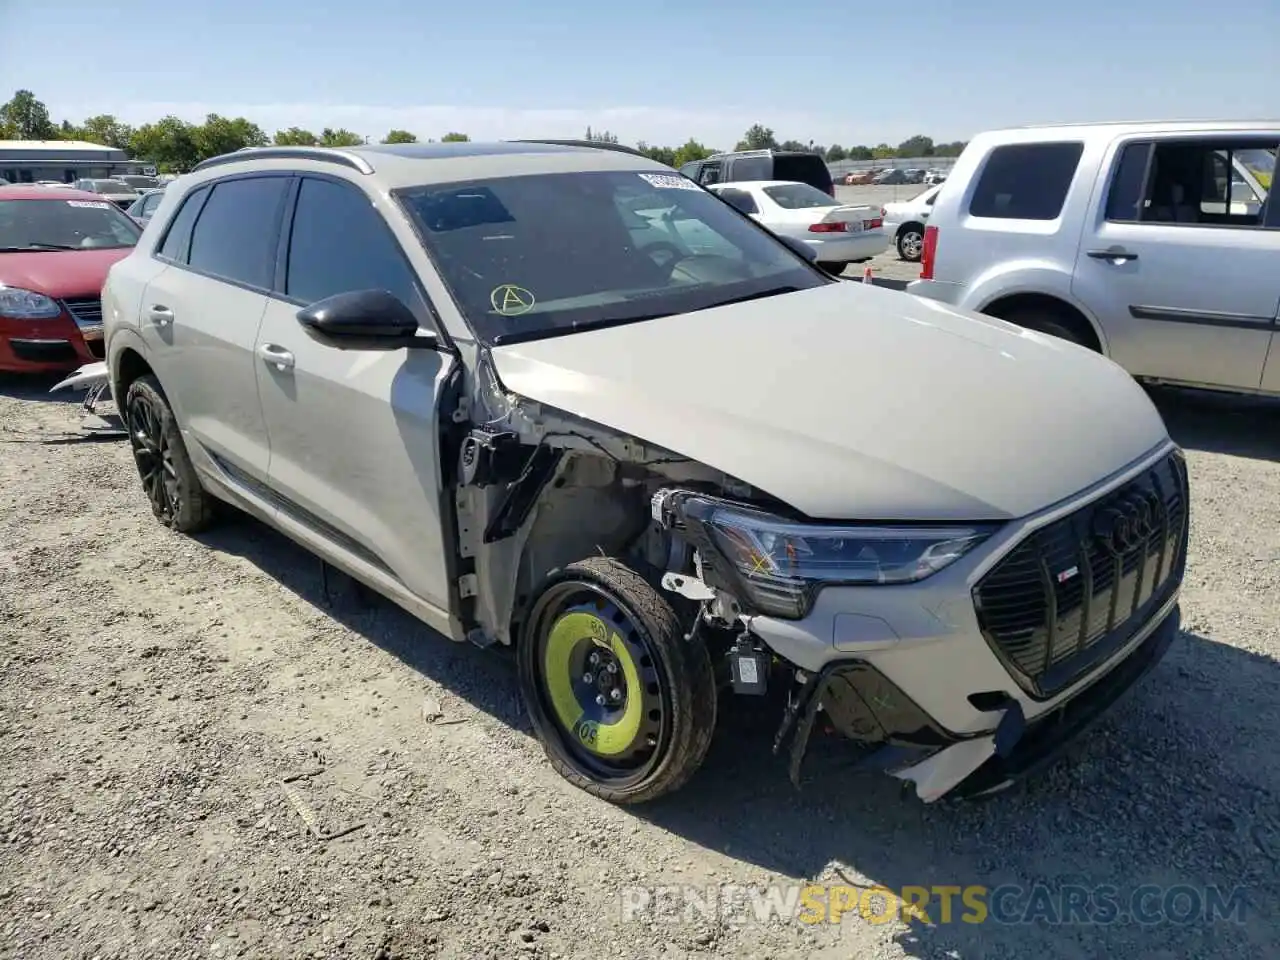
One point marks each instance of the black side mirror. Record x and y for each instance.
(800, 247)
(365, 320)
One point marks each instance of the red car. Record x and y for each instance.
(56, 246)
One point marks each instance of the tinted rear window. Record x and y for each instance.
(798, 196)
(235, 237)
(803, 168)
(1026, 181)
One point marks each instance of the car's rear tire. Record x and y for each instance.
(169, 479)
(833, 268)
(625, 706)
(910, 242)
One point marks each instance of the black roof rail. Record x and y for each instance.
(596, 144)
(321, 154)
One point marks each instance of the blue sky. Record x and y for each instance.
(846, 72)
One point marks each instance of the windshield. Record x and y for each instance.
(140, 181)
(64, 225)
(536, 256)
(799, 196)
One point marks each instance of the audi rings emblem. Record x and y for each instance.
(1127, 523)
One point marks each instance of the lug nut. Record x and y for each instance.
(600, 699)
(612, 667)
(615, 693)
(588, 678)
(594, 658)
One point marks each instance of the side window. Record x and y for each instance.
(740, 199)
(149, 205)
(177, 241)
(691, 169)
(1026, 181)
(235, 236)
(340, 243)
(710, 173)
(1206, 182)
(1124, 196)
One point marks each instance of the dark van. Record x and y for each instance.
(788, 165)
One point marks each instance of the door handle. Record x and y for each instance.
(161, 315)
(1114, 254)
(276, 356)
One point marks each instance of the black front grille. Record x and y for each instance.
(1078, 589)
(43, 351)
(86, 311)
(97, 348)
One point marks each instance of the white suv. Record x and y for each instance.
(1153, 243)
(494, 383)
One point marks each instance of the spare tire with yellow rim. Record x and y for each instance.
(624, 705)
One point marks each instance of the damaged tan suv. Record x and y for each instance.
(560, 398)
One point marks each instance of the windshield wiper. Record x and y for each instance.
(39, 246)
(578, 326)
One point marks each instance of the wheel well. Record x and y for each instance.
(1059, 310)
(129, 367)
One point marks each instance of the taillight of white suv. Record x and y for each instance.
(929, 253)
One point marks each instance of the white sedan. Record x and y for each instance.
(839, 233)
(904, 222)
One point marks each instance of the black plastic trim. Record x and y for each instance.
(1208, 318)
(591, 144)
(302, 515)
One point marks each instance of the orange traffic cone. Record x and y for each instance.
(866, 275)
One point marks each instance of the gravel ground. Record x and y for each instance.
(157, 690)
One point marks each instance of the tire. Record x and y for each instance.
(1048, 321)
(833, 268)
(910, 242)
(177, 497)
(652, 740)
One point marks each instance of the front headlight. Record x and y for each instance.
(19, 304)
(783, 563)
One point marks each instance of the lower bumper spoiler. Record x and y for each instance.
(940, 763)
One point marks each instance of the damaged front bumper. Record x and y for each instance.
(862, 702)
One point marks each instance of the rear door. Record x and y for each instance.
(200, 317)
(1183, 280)
(354, 433)
(804, 168)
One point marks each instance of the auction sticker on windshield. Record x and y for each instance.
(91, 204)
(667, 181)
(510, 300)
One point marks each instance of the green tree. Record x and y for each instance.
(342, 137)
(399, 136)
(455, 138)
(219, 135)
(692, 150)
(295, 137)
(26, 118)
(917, 146)
(665, 155)
(107, 130)
(860, 153)
(757, 137)
(792, 146)
(169, 143)
(953, 149)
(600, 136)
(836, 153)
(883, 151)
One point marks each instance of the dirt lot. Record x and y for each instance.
(157, 689)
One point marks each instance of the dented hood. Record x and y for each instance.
(853, 401)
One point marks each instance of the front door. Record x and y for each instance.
(354, 433)
(1183, 280)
